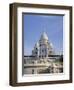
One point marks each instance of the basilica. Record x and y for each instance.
(43, 58)
(43, 48)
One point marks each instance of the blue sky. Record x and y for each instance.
(35, 25)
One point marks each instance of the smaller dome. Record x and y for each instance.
(37, 45)
(44, 36)
(51, 44)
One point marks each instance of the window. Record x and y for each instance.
(40, 44)
(32, 71)
(35, 52)
(36, 49)
(50, 51)
(42, 50)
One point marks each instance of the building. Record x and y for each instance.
(43, 48)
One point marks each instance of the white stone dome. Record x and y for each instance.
(51, 45)
(44, 36)
(37, 45)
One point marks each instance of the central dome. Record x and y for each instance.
(44, 36)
